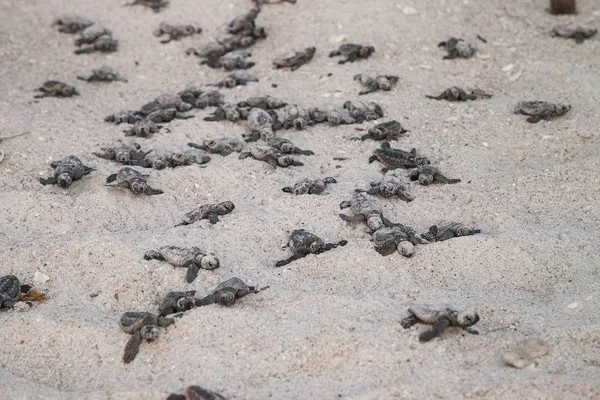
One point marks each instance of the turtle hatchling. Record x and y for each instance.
(332, 115)
(124, 117)
(295, 116)
(175, 31)
(457, 48)
(362, 111)
(223, 146)
(188, 157)
(227, 111)
(239, 77)
(212, 98)
(142, 326)
(190, 94)
(352, 52)
(175, 302)
(10, 291)
(295, 59)
(287, 147)
(375, 83)
(309, 186)
(541, 110)
(426, 175)
(270, 155)
(440, 317)
(303, 243)
(228, 292)
(263, 102)
(572, 31)
(66, 171)
(143, 128)
(395, 158)
(388, 240)
(362, 209)
(391, 184)
(154, 5)
(210, 212)
(166, 115)
(196, 393)
(235, 59)
(56, 89)
(191, 258)
(133, 180)
(126, 154)
(165, 101)
(104, 44)
(103, 74)
(448, 230)
(90, 34)
(457, 94)
(71, 23)
(260, 124)
(389, 130)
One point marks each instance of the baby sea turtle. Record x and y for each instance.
(457, 94)
(303, 243)
(332, 115)
(296, 59)
(154, 160)
(235, 59)
(389, 130)
(212, 98)
(287, 147)
(66, 171)
(362, 209)
(188, 157)
(387, 240)
(126, 154)
(210, 212)
(124, 117)
(191, 258)
(264, 102)
(155, 5)
(90, 34)
(226, 293)
(166, 115)
(457, 48)
(190, 94)
(271, 156)
(196, 393)
(10, 291)
(143, 128)
(142, 326)
(391, 184)
(104, 44)
(244, 23)
(352, 52)
(573, 31)
(56, 89)
(375, 83)
(362, 111)
(395, 158)
(426, 175)
(260, 124)
(541, 110)
(175, 302)
(440, 317)
(103, 74)
(448, 230)
(133, 180)
(227, 111)
(238, 77)
(294, 116)
(309, 186)
(72, 23)
(175, 31)
(223, 146)
(165, 101)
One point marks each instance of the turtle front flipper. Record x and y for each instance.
(213, 218)
(409, 321)
(151, 191)
(111, 178)
(288, 260)
(192, 272)
(132, 347)
(471, 331)
(436, 330)
(534, 119)
(48, 181)
(442, 179)
(205, 301)
(386, 250)
(87, 170)
(330, 246)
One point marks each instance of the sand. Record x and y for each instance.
(329, 326)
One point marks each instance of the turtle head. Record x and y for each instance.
(210, 144)
(225, 297)
(366, 51)
(467, 318)
(159, 163)
(138, 186)
(208, 262)
(316, 246)
(123, 157)
(388, 189)
(226, 207)
(229, 82)
(186, 303)
(149, 332)
(64, 180)
(287, 148)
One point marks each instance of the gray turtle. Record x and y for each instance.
(389, 130)
(332, 115)
(143, 128)
(188, 157)
(457, 94)
(362, 209)
(309, 186)
(362, 111)
(211, 51)
(191, 258)
(124, 117)
(263, 102)
(239, 77)
(226, 293)
(126, 154)
(10, 291)
(103, 74)
(448, 230)
(154, 160)
(287, 147)
(244, 23)
(235, 59)
(223, 146)
(71, 23)
(104, 44)
(295, 116)
(388, 240)
(165, 101)
(228, 111)
(142, 326)
(56, 89)
(166, 115)
(426, 175)
(395, 158)
(190, 94)
(210, 212)
(90, 34)
(541, 110)
(271, 156)
(303, 243)
(440, 317)
(375, 83)
(196, 393)
(391, 184)
(133, 180)
(175, 31)
(260, 123)
(352, 52)
(295, 59)
(66, 171)
(175, 302)
(155, 5)
(213, 98)
(573, 31)
(457, 47)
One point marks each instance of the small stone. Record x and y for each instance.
(525, 353)
(508, 67)
(485, 144)
(409, 11)
(573, 306)
(21, 306)
(40, 279)
(516, 359)
(337, 38)
(425, 66)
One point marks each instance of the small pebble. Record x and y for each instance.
(573, 306)
(525, 353)
(39, 278)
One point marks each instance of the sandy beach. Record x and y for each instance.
(329, 325)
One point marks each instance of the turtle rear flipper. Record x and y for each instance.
(176, 397)
(192, 272)
(48, 181)
(534, 119)
(111, 178)
(436, 330)
(330, 246)
(196, 146)
(87, 170)
(386, 250)
(132, 347)
(288, 260)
